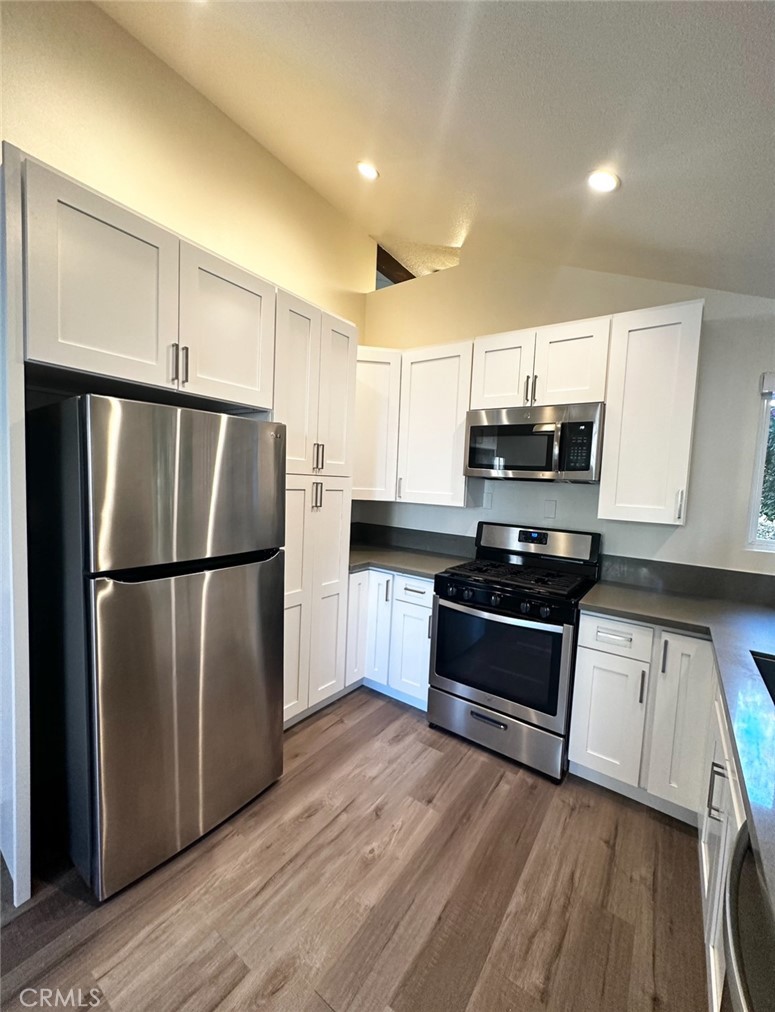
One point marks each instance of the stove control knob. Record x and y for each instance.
(495, 600)
(467, 594)
(545, 611)
(451, 590)
(525, 607)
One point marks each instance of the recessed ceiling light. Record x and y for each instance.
(603, 181)
(367, 170)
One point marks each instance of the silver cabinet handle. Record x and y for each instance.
(642, 685)
(527, 389)
(185, 363)
(430, 617)
(609, 636)
(535, 384)
(320, 493)
(322, 456)
(387, 590)
(738, 991)
(314, 456)
(716, 769)
(400, 481)
(175, 363)
(680, 506)
(664, 656)
(413, 590)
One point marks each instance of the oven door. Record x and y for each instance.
(513, 665)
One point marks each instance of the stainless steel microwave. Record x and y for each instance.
(555, 443)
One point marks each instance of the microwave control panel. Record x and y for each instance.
(576, 446)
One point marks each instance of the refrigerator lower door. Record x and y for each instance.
(188, 687)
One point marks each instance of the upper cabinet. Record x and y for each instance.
(502, 370)
(226, 329)
(315, 359)
(377, 398)
(111, 293)
(562, 364)
(101, 283)
(652, 380)
(435, 390)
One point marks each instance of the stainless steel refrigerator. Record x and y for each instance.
(170, 523)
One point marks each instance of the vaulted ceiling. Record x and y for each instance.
(492, 113)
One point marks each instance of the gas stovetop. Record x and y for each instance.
(515, 577)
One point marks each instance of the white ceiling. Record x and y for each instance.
(487, 113)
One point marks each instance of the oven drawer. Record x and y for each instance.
(612, 636)
(413, 591)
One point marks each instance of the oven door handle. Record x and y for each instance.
(523, 623)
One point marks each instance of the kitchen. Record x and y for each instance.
(150, 157)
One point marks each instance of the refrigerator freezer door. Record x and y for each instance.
(169, 484)
(188, 687)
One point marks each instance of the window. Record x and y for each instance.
(762, 534)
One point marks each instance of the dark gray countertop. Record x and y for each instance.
(400, 560)
(735, 630)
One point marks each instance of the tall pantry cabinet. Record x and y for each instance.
(315, 356)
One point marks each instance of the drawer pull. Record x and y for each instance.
(488, 720)
(609, 636)
(716, 769)
(414, 590)
(642, 685)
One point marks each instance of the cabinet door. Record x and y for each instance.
(380, 612)
(299, 560)
(226, 330)
(571, 361)
(410, 650)
(502, 371)
(607, 719)
(377, 394)
(101, 283)
(435, 387)
(647, 442)
(711, 821)
(331, 522)
(682, 711)
(336, 410)
(297, 379)
(357, 626)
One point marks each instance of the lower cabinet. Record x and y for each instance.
(317, 550)
(388, 633)
(410, 650)
(720, 819)
(608, 714)
(641, 708)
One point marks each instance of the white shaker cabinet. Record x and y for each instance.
(571, 361)
(315, 359)
(101, 283)
(357, 626)
(377, 399)
(502, 370)
(652, 380)
(435, 391)
(381, 587)
(410, 647)
(316, 578)
(562, 364)
(297, 379)
(227, 320)
(608, 715)
(683, 700)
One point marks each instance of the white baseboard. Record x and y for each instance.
(402, 697)
(321, 705)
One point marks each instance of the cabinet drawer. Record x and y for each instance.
(413, 591)
(615, 637)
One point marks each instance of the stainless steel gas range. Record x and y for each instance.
(504, 639)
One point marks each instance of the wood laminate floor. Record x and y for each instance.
(394, 868)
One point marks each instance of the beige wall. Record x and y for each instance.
(81, 94)
(494, 289)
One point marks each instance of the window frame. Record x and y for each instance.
(755, 543)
